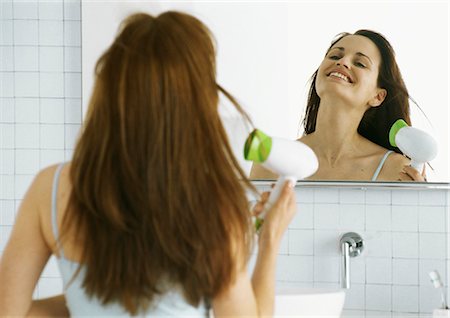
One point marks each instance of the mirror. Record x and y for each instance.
(267, 52)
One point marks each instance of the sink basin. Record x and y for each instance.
(309, 302)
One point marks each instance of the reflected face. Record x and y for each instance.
(349, 71)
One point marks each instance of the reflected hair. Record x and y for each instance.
(376, 121)
(158, 199)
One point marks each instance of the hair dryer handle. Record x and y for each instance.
(275, 193)
(417, 165)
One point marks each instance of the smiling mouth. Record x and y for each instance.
(340, 76)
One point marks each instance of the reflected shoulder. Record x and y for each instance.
(258, 172)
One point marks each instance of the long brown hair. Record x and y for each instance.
(158, 197)
(376, 121)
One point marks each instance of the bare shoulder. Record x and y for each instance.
(393, 166)
(258, 172)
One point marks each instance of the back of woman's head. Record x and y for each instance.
(377, 121)
(156, 196)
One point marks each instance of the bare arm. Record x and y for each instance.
(255, 297)
(24, 257)
(49, 307)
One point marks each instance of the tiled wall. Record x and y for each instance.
(40, 100)
(406, 235)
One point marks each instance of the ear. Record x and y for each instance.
(378, 98)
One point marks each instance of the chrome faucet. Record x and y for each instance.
(352, 245)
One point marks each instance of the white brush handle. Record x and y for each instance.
(275, 193)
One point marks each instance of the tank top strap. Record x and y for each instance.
(54, 202)
(381, 164)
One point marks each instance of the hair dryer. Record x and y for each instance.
(418, 145)
(290, 159)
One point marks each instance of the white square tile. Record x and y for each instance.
(378, 244)
(5, 233)
(7, 136)
(72, 10)
(26, 32)
(6, 10)
(378, 270)
(72, 33)
(72, 59)
(358, 270)
(7, 212)
(51, 59)
(304, 217)
(26, 84)
(26, 58)
(295, 268)
(7, 59)
(50, 287)
(304, 194)
(72, 85)
(7, 84)
(68, 154)
(27, 110)
(21, 185)
(428, 265)
(326, 216)
(405, 245)
(355, 297)
(326, 269)
(326, 195)
(52, 84)
(405, 197)
(432, 245)
(27, 136)
(352, 217)
(432, 219)
(50, 157)
(405, 298)
(7, 161)
(301, 242)
(378, 297)
(72, 132)
(326, 243)
(25, 9)
(27, 161)
(52, 111)
(52, 136)
(405, 218)
(432, 197)
(6, 35)
(429, 298)
(405, 271)
(51, 33)
(352, 196)
(378, 217)
(51, 10)
(73, 112)
(6, 187)
(7, 110)
(51, 269)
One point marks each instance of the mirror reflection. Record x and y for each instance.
(267, 53)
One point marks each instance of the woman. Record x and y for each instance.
(150, 217)
(355, 96)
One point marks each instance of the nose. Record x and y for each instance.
(343, 62)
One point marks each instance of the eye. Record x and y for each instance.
(359, 64)
(334, 57)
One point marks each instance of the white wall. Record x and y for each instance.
(268, 50)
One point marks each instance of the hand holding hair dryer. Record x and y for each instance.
(418, 145)
(290, 159)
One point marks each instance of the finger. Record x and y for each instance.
(286, 192)
(258, 208)
(403, 176)
(264, 197)
(413, 173)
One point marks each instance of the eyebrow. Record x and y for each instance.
(340, 48)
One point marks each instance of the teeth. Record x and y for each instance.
(339, 75)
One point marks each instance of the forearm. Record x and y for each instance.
(263, 279)
(49, 307)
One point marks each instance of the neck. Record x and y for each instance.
(336, 136)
